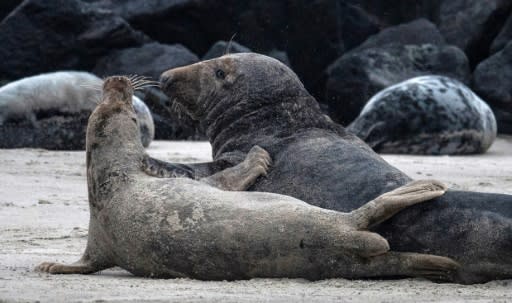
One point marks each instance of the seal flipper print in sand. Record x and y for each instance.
(177, 227)
(429, 115)
(244, 100)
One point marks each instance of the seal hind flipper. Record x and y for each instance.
(388, 204)
(400, 264)
(243, 175)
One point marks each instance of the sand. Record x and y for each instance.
(44, 217)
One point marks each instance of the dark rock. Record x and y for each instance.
(43, 35)
(356, 77)
(392, 12)
(170, 124)
(472, 25)
(221, 48)
(149, 60)
(492, 80)
(503, 37)
(318, 32)
(312, 33)
(198, 24)
(419, 31)
(7, 6)
(281, 56)
(429, 115)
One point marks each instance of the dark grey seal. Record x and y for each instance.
(185, 228)
(429, 115)
(51, 110)
(244, 100)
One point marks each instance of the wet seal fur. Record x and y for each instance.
(244, 100)
(179, 227)
(429, 115)
(51, 111)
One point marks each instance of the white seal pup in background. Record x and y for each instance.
(429, 115)
(51, 111)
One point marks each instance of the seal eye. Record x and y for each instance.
(220, 74)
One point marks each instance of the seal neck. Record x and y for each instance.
(263, 122)
(114, 153)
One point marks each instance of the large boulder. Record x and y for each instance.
(473, 24)
(392, 12)
(312, 33)
(41, 35)
(355, 77)
(420, 31)
(492, 80)
(149, 60)
(319, 32)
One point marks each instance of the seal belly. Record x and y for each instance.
(329, 172)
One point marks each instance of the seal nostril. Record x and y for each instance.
(166, 81)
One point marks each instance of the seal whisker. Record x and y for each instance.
(145, 86)
(228, 47)
(144, 81)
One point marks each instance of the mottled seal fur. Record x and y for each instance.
(180, 227)
(431, 115)
(244, 100)
(51, 110)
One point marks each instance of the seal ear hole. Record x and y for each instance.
(134, 120)
(220, 74)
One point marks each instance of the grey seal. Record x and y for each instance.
(244, 100)
(178, 227)
(430, 115)
(51, 110)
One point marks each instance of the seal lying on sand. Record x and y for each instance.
(51, 110)
(244, 100)
(430, 115)
(185, 228)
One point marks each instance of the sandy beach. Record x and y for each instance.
(44, 217)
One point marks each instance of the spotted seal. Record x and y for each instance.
(180, 227)
(430, 115)
(244, 100)
(51, 110)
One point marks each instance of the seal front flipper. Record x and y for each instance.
(387, 205)
(83, 266)
(243, 175)
(161, 169)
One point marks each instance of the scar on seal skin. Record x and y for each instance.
(178, 227)
(242, 100)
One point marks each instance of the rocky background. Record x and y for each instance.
(344, 51)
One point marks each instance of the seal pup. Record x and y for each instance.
(51, 111)
(244, 100)
(428, 115)
(179, 227)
